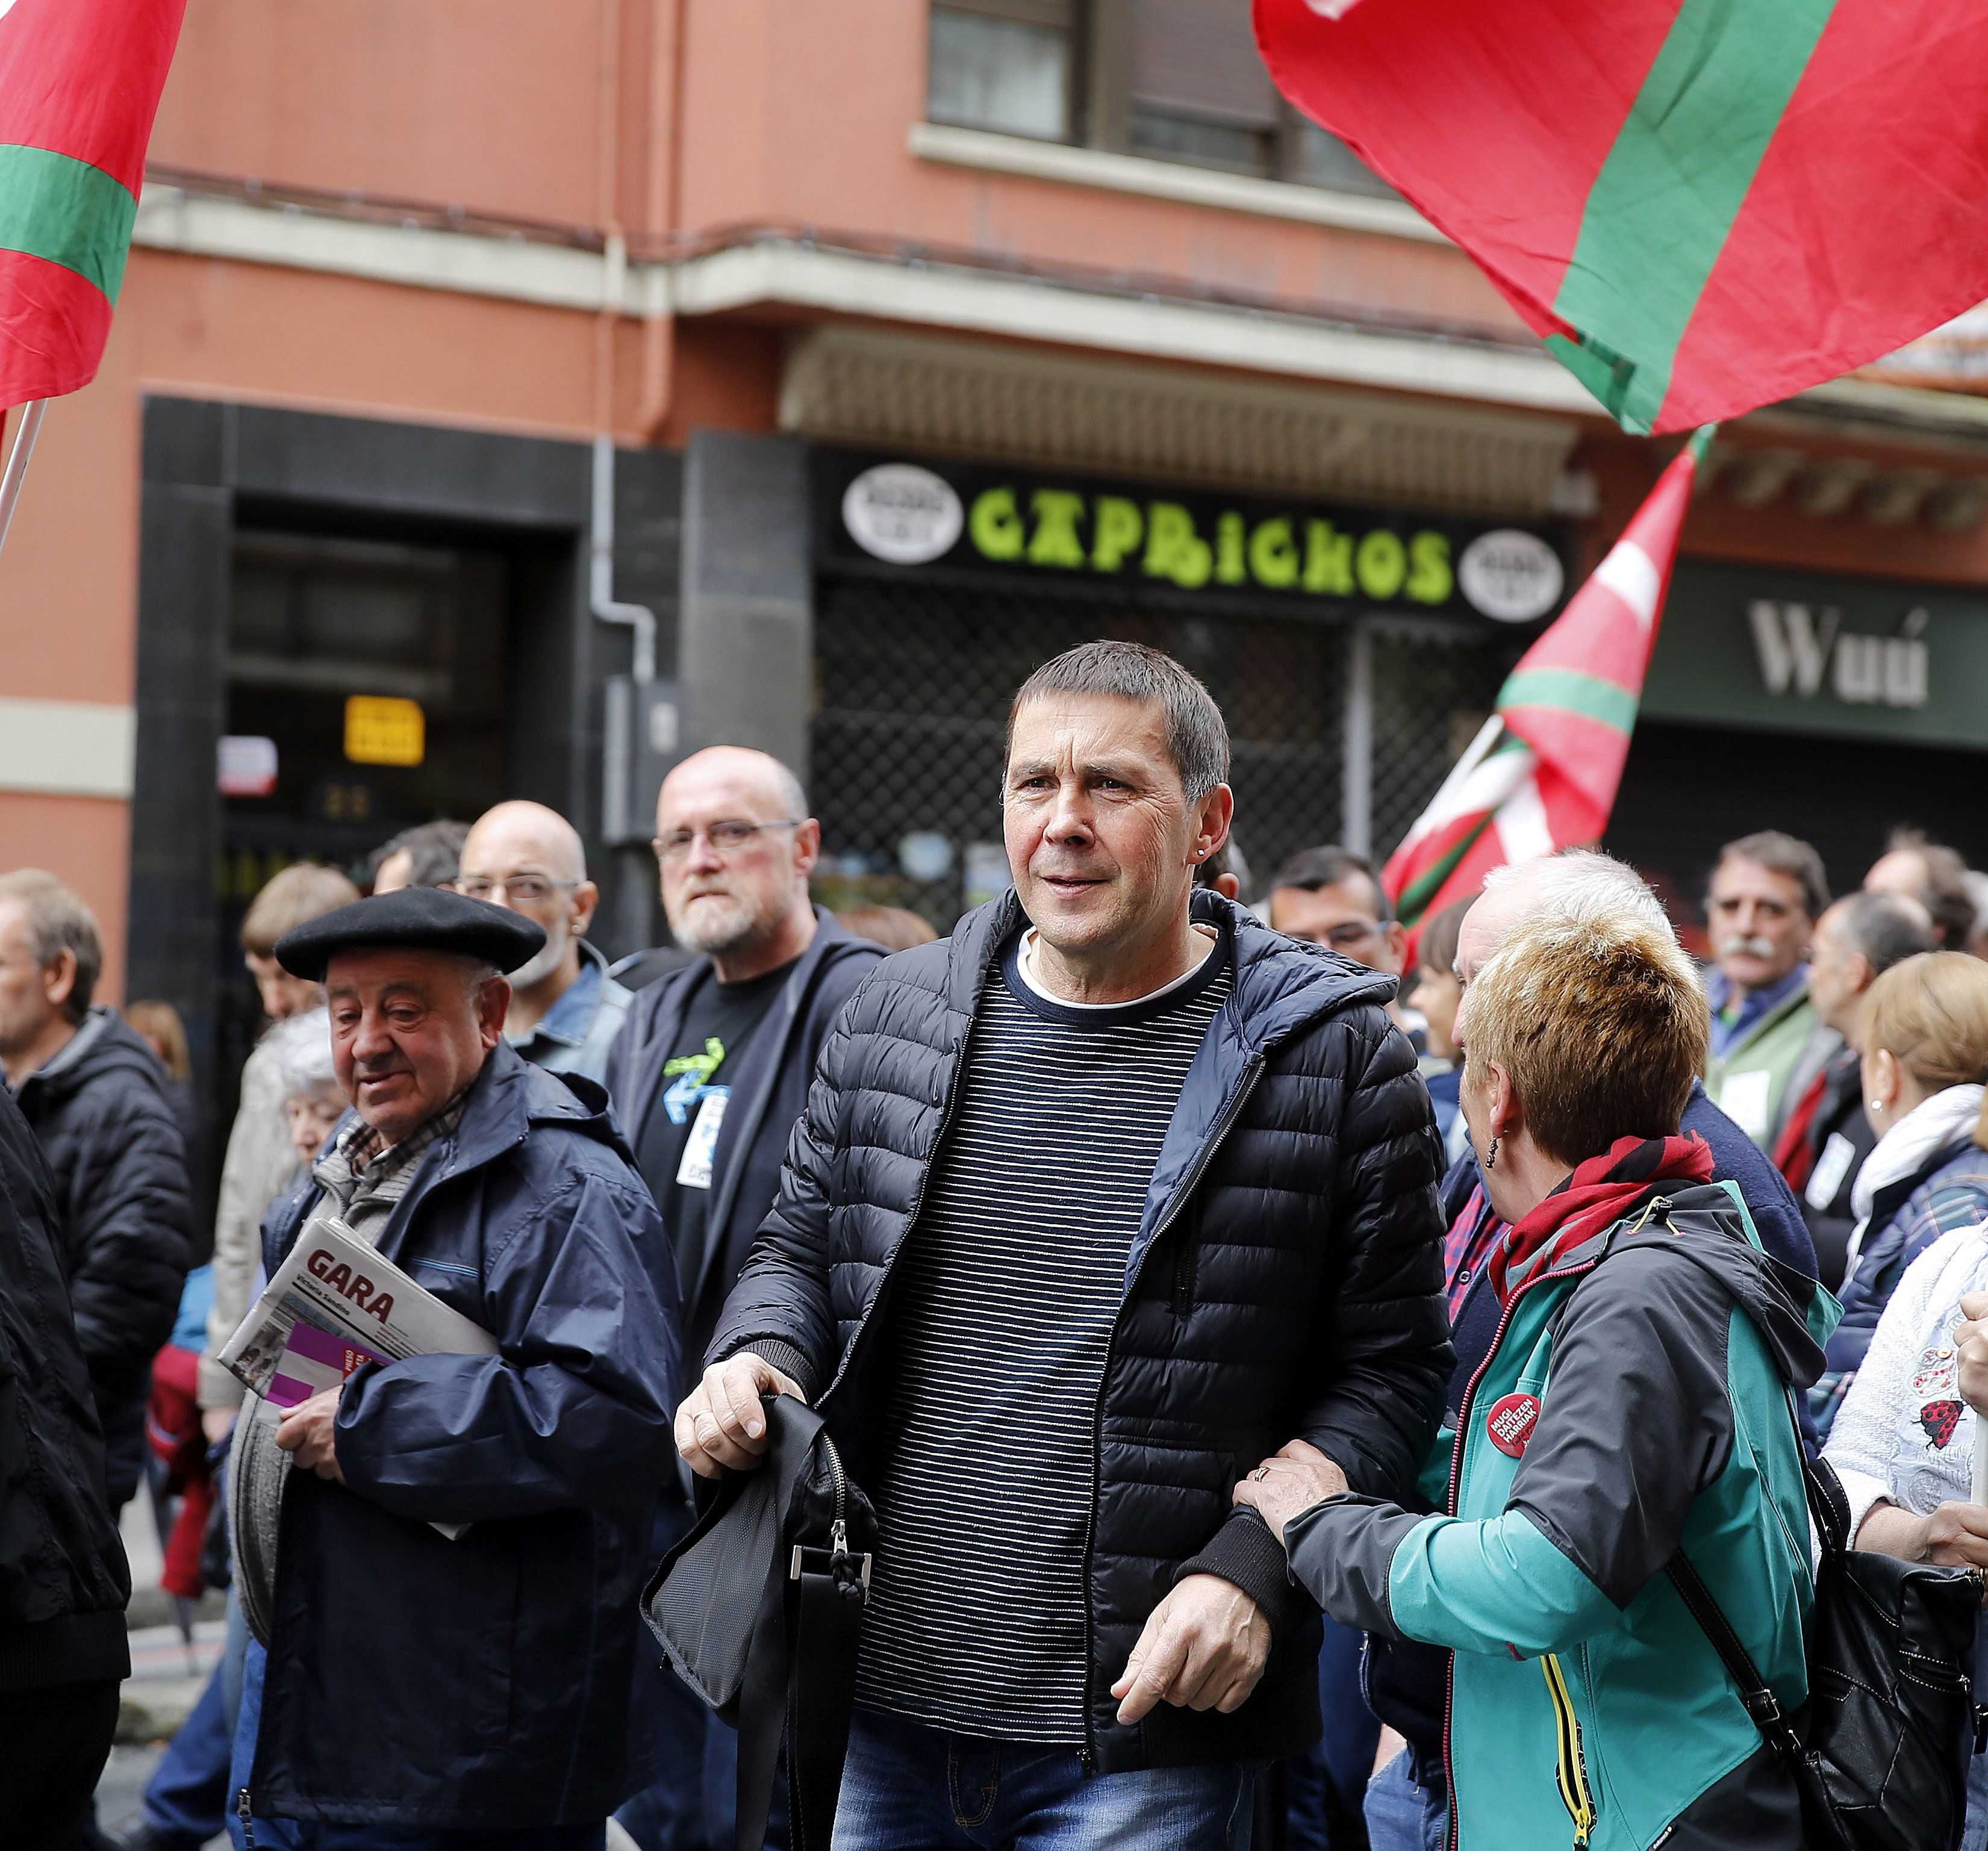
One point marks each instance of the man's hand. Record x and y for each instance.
(216, 1423)
(1203, 1649)
(1291, 1479)
(721, 1423)
(1970, 1345)
(307, 1430)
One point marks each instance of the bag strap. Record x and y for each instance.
(1762, 1704)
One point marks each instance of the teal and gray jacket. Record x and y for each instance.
(1624, 1410)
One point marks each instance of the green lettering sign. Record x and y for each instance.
(1228, 566)
(1173, 550)
(995, 525)
(1381, 561)
(1274, 555)
(1057, 511)
(1116, 527)
(1431, 579)
(1328, 560)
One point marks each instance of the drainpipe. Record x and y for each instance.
(632, 711)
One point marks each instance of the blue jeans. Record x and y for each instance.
(1323, 1786)
(908, 1788)
(187, 1796)
(301, 1835)
(1975, 1835)
(1402, 1816)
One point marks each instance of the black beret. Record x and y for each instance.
(416, 919)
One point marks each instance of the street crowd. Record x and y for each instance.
(1286, 1355)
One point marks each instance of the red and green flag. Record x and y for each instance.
(1703, 206)
(79, 84)
(1543, 772)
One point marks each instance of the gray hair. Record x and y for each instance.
(1883, 929)
(59, 921)
(1197, 735)
(1789, 856)
(1584, 886)
(301, 1045)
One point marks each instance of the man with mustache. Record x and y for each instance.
(709, 1074)
(1767, 892)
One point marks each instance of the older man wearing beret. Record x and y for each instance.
(408, 1689)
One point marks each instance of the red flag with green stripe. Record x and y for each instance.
(1543, 773)
(79, 84)
(1703, 205)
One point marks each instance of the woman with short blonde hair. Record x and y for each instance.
(1634, 1403)
(1926, 1060)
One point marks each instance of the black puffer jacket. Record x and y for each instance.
(1286, 1280)
(63, 1581)
(105, 1120)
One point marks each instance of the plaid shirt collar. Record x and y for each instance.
(361, 1163)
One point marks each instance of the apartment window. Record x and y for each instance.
(1005, 65)
(1171, 79)
(1198, 91)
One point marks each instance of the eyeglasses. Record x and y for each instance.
(726, 839)
(529, 888)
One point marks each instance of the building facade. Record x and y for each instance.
(925, 338)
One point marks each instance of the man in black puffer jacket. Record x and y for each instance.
(63, 1581)
(1088, 1200)
(95, 1095)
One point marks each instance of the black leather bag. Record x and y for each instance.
(759, 1609)
(1879, 1753)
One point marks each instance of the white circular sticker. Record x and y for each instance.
(900, 512)
(1510, 575)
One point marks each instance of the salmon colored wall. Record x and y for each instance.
(84, 842)
(807, 124)
(489, 104)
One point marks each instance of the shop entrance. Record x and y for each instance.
(1339, 725)
(365, 692)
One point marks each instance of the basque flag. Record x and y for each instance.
(1703, 206)
(1543, 773)
(79, 84)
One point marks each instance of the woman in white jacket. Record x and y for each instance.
(1903, 1443)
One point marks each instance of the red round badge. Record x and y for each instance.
(1510, 1422)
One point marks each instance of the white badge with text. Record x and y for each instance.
(695, 1172)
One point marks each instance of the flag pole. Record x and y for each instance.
(17, 464)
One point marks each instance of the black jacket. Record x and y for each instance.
(104, 1119)
(63, 1581)
(484, 1682)
(1286, 1280)
(769, 1084)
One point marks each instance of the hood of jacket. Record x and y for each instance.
(104, 1044)
(1792, 1313)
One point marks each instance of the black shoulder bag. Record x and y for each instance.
(759, 1609)
(1879, 1753)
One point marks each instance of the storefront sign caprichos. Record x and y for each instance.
(979, 518)
(1797, 646)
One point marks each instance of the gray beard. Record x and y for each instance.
(730, 926)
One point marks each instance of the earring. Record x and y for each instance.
(1491, 1156)
(1874, 1105)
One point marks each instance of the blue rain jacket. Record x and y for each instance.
(484, 1682)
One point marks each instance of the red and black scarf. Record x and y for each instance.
(1600, 1193)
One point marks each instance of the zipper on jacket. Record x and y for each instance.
(958, 1059)
(1464, 1409)
(242, 1809)
(1570, 1771)
(1252, 1071)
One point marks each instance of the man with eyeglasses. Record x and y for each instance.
(565, 1009)
(1332, 896)
(709, 1072)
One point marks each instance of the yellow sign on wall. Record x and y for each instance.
(382, 729)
